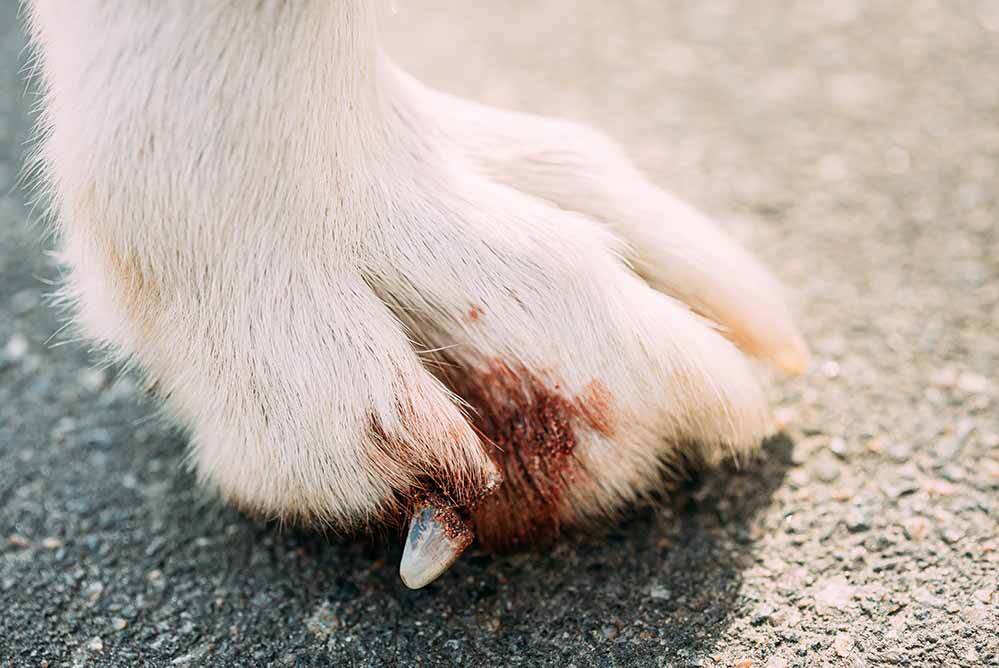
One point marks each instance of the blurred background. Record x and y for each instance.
(854, 146)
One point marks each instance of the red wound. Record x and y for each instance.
(534, 430)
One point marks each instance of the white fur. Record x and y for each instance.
(274, 221)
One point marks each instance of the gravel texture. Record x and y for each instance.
(853, 145)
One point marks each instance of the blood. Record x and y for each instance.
(454, 526)
(532, 430)
(475, 312)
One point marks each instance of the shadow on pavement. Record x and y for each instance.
(663, 585)
(159, 570)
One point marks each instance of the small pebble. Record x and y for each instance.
(784, 417)
(983, 595)
(915, 528)
(937, 487)
(951, 535)
(893, 488)
(798, 478)
(16, 348)
(118, 624)
(660, 593)
(934, 396)
(762, 615)
(826, 467)
(322, 622)
(878, 542)
(838, 447)
(92, 380)
(93, 591)
(875, 446)
(51, 543)
(96, 644)
(17, 540)
(857, 520)
(973, 383)
(900, 452)
(952, 472)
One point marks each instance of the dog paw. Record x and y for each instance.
(484, 322)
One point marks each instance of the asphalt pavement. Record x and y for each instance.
(854, 146)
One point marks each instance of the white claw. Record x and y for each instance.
(437, 536)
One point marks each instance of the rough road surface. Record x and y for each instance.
(853, 145)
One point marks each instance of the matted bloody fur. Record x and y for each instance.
(530, 429)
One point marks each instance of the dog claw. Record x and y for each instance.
(436, 538)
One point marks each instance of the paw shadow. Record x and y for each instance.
(665, 584)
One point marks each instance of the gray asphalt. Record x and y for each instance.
(854, 146)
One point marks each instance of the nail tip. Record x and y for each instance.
(430, 550)
(412, 584)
